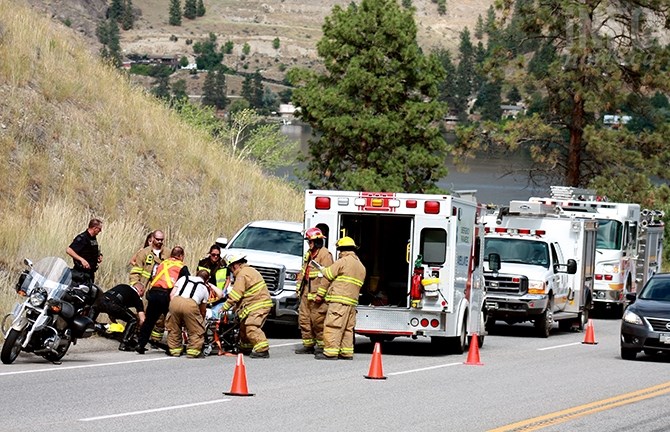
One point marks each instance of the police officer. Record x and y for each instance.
(347, 275)
(158, 297)
(187, 309)
(85, 253)
(312, 312)
(251, 300)
(116, 303)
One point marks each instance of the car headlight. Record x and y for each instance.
(536, 286)
(632, 318)
(37, 298)
(292, 276)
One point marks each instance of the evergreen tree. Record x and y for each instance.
(200, 11)
(603, 59)
(247, 91)
(161, 88)
(513, 96)
(375, 107)
(489, 100)
(108, 35)
(246, 49)
(128, 19)
(479, 28)
(258, 91)
(207, 53)
(179, 91)
(115, 11)
(175, 13)
(447, 88)
(214, 88)
(190, 9)
(465, 76)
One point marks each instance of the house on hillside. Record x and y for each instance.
(287, 112)
(615, 121)
(512, 111)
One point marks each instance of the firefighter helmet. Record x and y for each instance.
(346, 242)
(232, 258)
(313, 234)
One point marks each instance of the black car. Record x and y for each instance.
(645, 325)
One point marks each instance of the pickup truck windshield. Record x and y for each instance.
(518, 251)
(269, 240)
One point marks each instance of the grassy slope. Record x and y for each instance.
(77, 140)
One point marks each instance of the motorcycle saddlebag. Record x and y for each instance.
(82, 327)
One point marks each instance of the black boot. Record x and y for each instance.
(305, 350)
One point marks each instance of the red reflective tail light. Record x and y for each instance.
(322, 203)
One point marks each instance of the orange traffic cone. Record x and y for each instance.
(239, 386)
(376, 368)
(589, 337)
(473, 352)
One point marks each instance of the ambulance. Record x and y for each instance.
(423, 256)
(544, 266)
(629, 244)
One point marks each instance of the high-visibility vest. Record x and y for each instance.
(167, 274)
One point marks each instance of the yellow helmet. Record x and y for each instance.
(346, 242)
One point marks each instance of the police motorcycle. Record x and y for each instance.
(53, 315)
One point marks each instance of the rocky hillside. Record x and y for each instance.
(297, 24)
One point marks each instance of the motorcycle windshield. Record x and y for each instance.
(50, 273)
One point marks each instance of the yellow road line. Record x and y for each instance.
(586, 409)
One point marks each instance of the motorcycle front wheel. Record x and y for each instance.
(12, 346)
(59, 354)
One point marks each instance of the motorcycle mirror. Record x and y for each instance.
(27, 262)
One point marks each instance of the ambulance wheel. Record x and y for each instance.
(490, 324)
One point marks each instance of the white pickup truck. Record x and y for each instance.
(274, 248)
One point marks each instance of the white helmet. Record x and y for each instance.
(232, 258)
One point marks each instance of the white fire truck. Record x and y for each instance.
(629, 244)
(423, 257)
(545, 266)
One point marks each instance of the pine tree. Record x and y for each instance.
(479, 28)
(175, 13)
(190, 9)
(207, 54)
(597, 61)
(179, 92)
(201, 8)
(375, 107)
(161, 87)
(214, 89)
(489, 100)
(115, 11)
(247, 91)
(127, 19)
(114, 43)
(465, 75)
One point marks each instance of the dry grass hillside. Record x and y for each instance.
(297, 24)
(77, 140)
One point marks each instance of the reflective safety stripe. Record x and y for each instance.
(254, 289)
(246, 345)
(328, 274)
(311, 296)
(342, 299)
(140, 271)
(347, 351)
(351, 280)
(167, 273)
(255, 306)
(308, 342)
(331, 352)
(313, 274)
(156, 334)
(261, 346)
(321, 291)
(193, 352)
(319, 343)
(175, 351)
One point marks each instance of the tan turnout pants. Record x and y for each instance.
(311, 317)
(185, 313)
(338, 333)
(252, 336)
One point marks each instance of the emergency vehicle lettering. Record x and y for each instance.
(377, 201)
(465, 234)
(462, 260)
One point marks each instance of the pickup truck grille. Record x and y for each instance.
(506, 284)
(273, 278)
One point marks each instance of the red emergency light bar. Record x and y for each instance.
(322, 203)
(524, 231)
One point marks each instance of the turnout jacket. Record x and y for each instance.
(145, 264)
(310, 278)
(249, 292)
(347, 275)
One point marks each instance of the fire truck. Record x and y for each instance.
(539, 266)
(423, 256)
(629, 243)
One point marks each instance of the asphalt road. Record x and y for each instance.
(554, 384)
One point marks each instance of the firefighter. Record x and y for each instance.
(143, 269)
(347, 275)
(158, 297)
(312, 313)
(251, 299)
(188, 303)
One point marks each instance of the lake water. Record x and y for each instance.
(485, 175)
